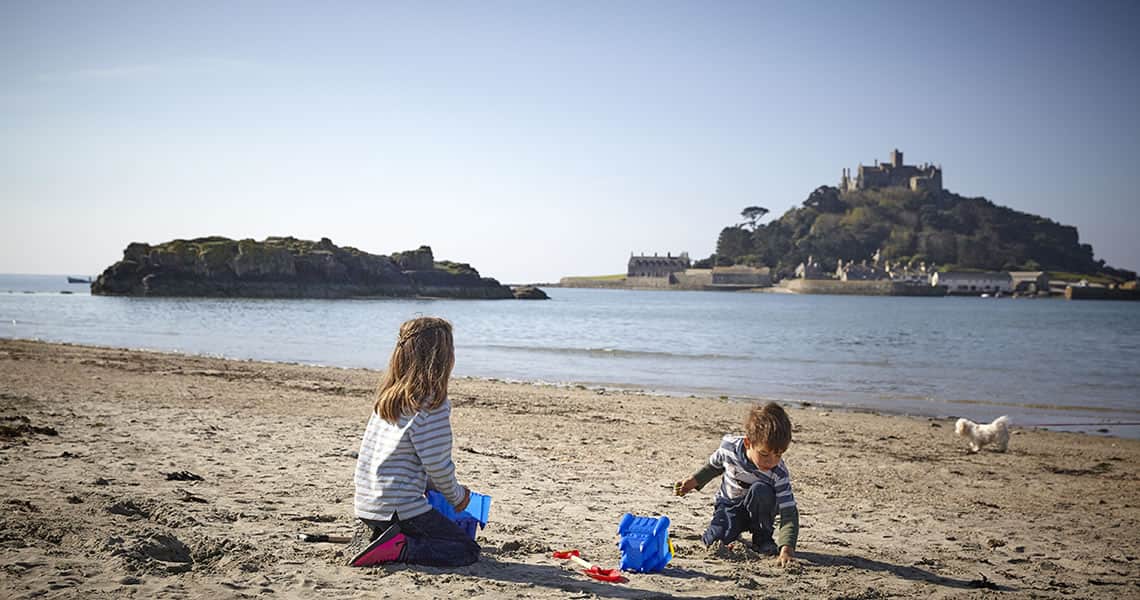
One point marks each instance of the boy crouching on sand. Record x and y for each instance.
(755, 487)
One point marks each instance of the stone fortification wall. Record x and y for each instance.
(1099, 293)
(860, 288)
(653, 283)
(694, 279)
(742, 277)
(689, 279)
(904, 289)
(586, 282)
(834, 286)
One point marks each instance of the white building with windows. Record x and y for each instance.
(966, 283)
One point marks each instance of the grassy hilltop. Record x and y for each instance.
(940, 227)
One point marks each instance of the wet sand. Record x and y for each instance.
(140, 474)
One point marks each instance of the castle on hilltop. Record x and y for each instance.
(916, 178)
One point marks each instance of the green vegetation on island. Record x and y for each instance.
(287, 267)
(932, 226)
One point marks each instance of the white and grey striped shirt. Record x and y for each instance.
(397, 463)
(740, 473)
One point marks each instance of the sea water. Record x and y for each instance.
(1040, 361)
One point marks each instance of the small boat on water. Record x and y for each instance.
(71, 279)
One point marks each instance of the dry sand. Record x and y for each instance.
(890, 506)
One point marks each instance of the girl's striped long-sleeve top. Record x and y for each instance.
(398, 462)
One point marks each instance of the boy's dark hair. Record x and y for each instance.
(769, 426)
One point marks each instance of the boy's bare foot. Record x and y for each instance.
(717, 549)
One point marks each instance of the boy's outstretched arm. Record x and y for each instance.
(698, 480)
(787, 535)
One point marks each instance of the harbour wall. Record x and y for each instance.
(860, 288)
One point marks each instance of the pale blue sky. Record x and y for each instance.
(541, 139)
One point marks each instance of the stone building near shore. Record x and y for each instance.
(967, 283)
(657, 266)
(853, 271)
(895, 174)
(912, 272)
(1030, 282)
(675, 273)
(811, 269)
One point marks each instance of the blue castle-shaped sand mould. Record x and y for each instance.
(644, 544)
(476, 514)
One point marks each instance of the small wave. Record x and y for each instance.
(1041, 406)
(610, 352)
(883, 362)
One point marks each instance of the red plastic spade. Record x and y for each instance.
(591, 570)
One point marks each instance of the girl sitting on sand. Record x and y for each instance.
(407, 450)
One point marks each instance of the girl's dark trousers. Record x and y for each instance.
(433, 540)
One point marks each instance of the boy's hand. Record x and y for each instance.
(787, 557)
(684, 487)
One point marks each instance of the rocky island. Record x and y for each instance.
(287, 267)
(906, 213)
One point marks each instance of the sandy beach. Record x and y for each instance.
(140, 474)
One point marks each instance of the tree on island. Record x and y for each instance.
(753, 214)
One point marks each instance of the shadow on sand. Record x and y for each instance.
(911, 573)
(572, 581)
(566, 580)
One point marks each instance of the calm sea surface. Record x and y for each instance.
(1039, 361)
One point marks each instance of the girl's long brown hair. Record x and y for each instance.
(418, 370)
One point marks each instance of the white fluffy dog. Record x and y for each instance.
(996, 433)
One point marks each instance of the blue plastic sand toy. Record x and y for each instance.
(644, 544)
(476, 513)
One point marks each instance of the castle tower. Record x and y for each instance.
(896, 158)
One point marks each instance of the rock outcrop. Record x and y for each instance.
(286, 267)
(529, 292)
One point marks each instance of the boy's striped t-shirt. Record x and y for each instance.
(740, 473)
(398, 462)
